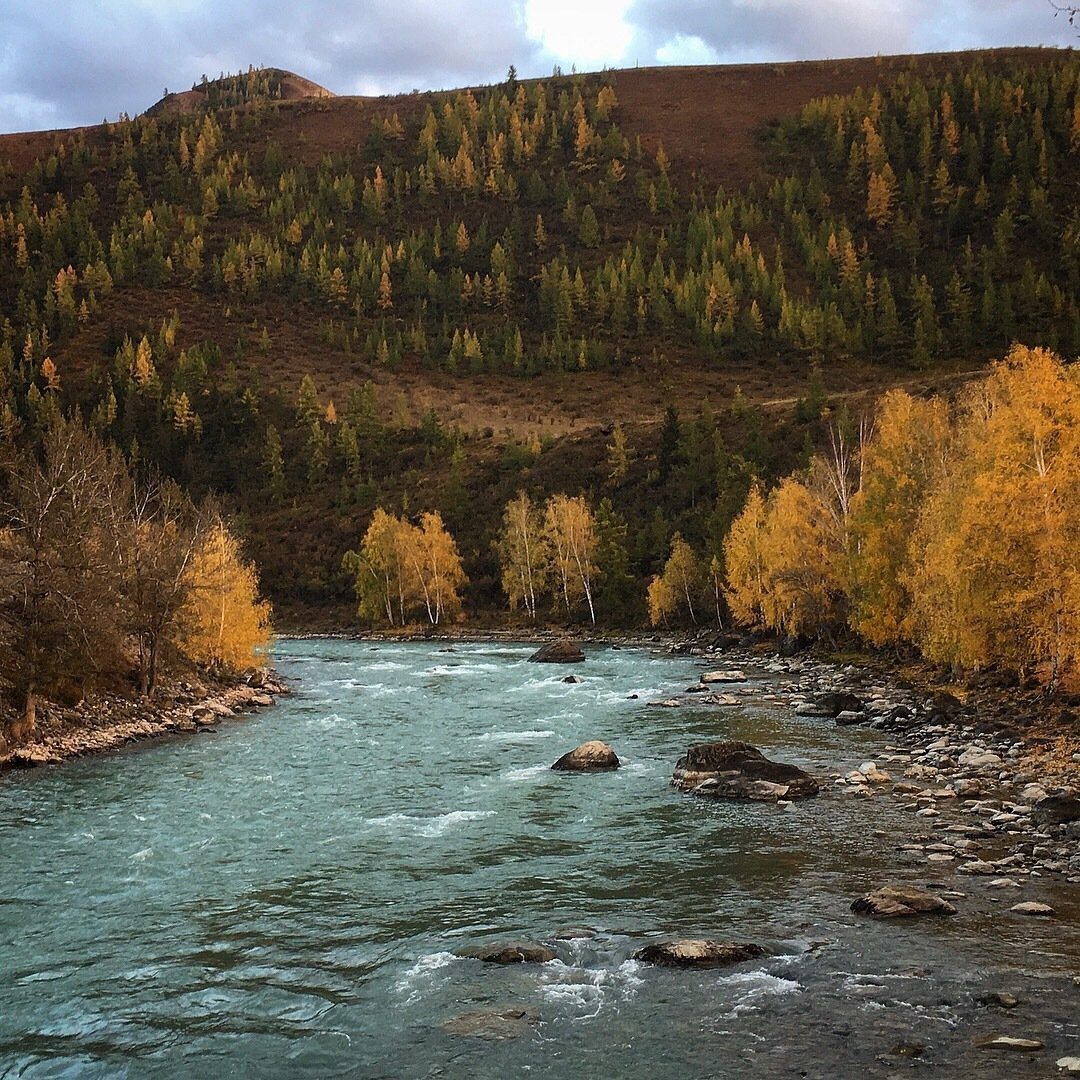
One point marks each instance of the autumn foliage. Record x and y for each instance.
(404, 570)
(961, 535)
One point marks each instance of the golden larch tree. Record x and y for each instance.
(227, 625)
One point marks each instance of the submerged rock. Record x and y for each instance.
(1001, 998)
(510, 952)
(498, 1022)
(557, 652)
(1032, 907)
(1007, 1042)
(901, 901)
(591, 756)
(698, 953)
(737, 770)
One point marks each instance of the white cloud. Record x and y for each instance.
(687, 49)
(588, 33)
(68, 62)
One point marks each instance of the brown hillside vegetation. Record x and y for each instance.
(647, 287)
(709, 120)
(706, 117)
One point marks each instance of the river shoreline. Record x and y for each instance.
(1017, 720)
(107, 722)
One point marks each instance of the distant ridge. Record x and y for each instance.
(257, 84)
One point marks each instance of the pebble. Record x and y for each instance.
(1069, 1064)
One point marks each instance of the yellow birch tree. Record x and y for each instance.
(227, 625)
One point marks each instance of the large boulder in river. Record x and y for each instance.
(697, 953)
(901, 902)
(1056, 810)
(591, 756)
(510, 952)
(737, 770)
(557, 652)
(830, 703)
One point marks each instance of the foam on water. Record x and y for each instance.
(413, 982)
(586, 988)
(429, 824)
(513, 736)
(529, 772)
(753, 987)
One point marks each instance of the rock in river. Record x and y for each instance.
(697, 953)
(737, 770)
(510, 952)
(591, 756)
(1056, 810)
(1007, 1042)
(901, 901)
(557, 652)
(830, 704)
(723, 676)
(499, 1022)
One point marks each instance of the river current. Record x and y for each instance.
(286, 897)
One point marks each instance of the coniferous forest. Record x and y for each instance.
(501, 353)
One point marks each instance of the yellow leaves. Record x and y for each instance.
(801, 590)
(963, 537)
(903, 459)
(50, 374)
(142, 368)
(571, 531)
(401, 569)
(660, 600)
(880, 196)
(680, 584)
(742, 556)
(1000, 538)
(461, 239)
(227, 624)
(523, 553)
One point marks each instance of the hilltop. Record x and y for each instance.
(256, 87)
(431, 300)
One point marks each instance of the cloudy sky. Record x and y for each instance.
(72, 62)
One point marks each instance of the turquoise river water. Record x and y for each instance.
(285, 898)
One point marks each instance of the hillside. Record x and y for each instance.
(479, 285)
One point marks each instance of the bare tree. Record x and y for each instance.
(161, 538)
(60, 560)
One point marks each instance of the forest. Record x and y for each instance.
(237, 324)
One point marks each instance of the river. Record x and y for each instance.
(285, 898)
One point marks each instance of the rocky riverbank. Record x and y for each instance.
(991, 778)
(105, 722)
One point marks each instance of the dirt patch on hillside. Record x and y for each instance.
(709, 118)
